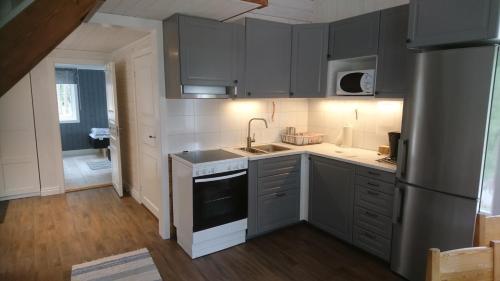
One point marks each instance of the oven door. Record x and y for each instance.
(219, 199)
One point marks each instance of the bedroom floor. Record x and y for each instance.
(42, 237)
(79, 174)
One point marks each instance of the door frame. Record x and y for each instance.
(71, 58)
(155, 27)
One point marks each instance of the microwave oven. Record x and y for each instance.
(355, 83)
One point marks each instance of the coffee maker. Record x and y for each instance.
(393, 145)
(393, 148)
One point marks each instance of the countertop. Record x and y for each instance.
(357, 156)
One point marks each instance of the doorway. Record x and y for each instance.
(84, 109)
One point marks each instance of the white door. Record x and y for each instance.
(148, 120)
(114, 129)
(18, 155)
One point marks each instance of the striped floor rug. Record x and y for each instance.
(131, 266)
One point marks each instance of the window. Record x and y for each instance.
(67, 102)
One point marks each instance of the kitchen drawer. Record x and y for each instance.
(372, 243)
(279, 165)
(374, 200)
(372, 221)
(278, 183)
(278, 209)
(376, 174)
(375, 184)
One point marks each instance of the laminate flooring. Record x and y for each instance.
(41, 237)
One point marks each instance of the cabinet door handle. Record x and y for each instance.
(371, 215)
(374, 173)
(280, 194)
(249, 94)
(372, 193)
(373, 184)
(404, 161)
(369, 235)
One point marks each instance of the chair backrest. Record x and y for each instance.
(467, 264)
(487, 229)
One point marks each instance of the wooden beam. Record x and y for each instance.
(35, 32)
(262, 3)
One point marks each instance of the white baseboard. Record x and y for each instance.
(134, 192)
(51, 191)
(25, 195)
(78, 152)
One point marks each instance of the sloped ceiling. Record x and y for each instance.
(97, 38)
(277, 10)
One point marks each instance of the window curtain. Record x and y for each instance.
(66, 76)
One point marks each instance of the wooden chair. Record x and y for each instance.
(467, 264)
(487, 229)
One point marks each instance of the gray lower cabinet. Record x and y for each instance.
(444, 22)
(353, 203)
(268, 58)
(331, 196)
(278, 209)
(354, 37)
(395, 61)
(373, 211)
(309, 60)
(273, 194)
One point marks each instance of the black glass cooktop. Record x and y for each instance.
(202, 156)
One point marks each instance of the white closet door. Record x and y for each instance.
(18, 155)
(148, 118)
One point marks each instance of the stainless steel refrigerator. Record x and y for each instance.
(447, 153)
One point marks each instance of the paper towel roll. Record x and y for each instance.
(347, 136)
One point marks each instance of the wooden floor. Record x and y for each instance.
(40, 238)
(77, 173)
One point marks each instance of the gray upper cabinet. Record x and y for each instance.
(443, 22)
(309, 60)
(331, 196)
(395, 61)
(208, 54)
(354, 37)
(268, 58)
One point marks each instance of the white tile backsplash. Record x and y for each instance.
(370, 119)
(210, 124)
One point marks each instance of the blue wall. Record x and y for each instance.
(93, 110)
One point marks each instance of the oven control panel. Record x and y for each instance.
(211, 168)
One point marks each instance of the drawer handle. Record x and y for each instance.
(372, 193)
(280, 194)
(373, 184)
(369, 235)
(372, 215)
(374, 173)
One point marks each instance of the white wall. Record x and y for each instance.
(209, 124)
(332, 10)
(375, 118)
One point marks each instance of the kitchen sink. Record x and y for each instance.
(264, 149)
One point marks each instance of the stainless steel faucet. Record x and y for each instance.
(249, 138)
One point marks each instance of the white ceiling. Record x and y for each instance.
(293, 11)
(97, 38)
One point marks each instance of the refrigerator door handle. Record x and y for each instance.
(398, 205)
(404, 160)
